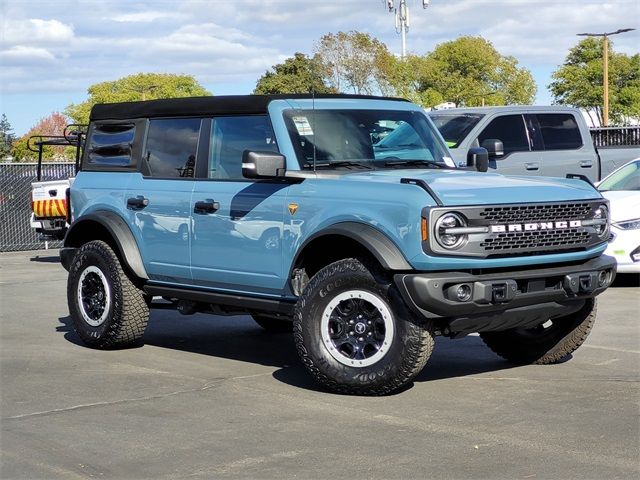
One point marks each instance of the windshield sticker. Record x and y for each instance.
(302, 125)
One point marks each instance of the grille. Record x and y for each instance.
(563, 239)
(535, 213)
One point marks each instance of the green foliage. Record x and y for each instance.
(578, 82)
(298, 74)
(352, 61)
(467, 71)
(141, 86)
(54, 124)
(7, 137)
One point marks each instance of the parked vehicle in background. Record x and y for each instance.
(531, 140)
(49, 198)
(339, 217)
(622, 189)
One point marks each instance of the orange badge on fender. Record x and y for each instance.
(293, 208)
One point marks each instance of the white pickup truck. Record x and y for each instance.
(49, 212)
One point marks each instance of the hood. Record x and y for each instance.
(462, 187)
(624, 204)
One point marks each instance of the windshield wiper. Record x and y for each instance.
(413, 163)
(339, 164)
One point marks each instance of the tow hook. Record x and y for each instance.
(586, 282)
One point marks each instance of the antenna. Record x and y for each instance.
(401, 19)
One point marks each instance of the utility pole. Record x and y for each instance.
(605, 68)
(401, 15)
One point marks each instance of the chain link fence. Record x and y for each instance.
(15, 203)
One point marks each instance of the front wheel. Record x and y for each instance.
(107, 309)
(549, 342)
(354, 334)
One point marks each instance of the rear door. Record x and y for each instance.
(159, 198)
(238, 223)
(519, 157)
(561, 146)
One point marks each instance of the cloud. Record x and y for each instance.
(20, 55)
(141, 17)
(35, 31)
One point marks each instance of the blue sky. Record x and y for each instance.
(51, 51)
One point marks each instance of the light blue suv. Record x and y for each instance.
(341, 218)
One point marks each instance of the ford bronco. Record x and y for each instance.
(340, 218)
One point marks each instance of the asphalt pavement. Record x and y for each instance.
(217, 397)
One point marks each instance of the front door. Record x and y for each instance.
(519, 157)
(237, 223)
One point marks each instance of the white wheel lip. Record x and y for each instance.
(387, 318)
(107, 290)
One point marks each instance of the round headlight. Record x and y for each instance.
(602, 213)
(445, 222)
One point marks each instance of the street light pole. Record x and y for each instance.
(605, 68)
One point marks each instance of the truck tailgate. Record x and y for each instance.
(48, 199)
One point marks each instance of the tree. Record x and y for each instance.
(7, 136)
(141, 86)
(298, 74)
(54, 124)
(351, 61)
(578, 82)
(470, 71)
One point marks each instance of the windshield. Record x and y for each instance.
(364, 139)
(627, 178)
(454, 128)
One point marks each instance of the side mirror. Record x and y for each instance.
(263, 164)
(494, 147)
(479, 158)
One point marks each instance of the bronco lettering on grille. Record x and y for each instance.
(527, 227)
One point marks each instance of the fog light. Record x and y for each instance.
(603, 278)
(463, 292)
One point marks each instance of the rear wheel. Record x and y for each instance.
(354, 334)
(549, 342)
(107, 309)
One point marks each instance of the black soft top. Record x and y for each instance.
(191, 106)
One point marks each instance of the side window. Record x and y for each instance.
(172, 147)
(110, 145)
(230, 137)
(559, 131)
(510, 130)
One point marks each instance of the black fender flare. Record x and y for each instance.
(119, 231)
(376, 242)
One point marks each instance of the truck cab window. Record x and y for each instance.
(511, 130)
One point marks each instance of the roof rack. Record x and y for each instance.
(73, 135)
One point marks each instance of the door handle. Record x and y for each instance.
(137, 203)
(586, 164)
(532, 166)
(206, 206)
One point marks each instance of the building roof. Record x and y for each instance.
(212, 105)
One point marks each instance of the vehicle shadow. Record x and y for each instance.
(45, 259)
(239, 338)
(626, 280)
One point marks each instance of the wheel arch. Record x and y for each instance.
(112, 229)
(348, 239)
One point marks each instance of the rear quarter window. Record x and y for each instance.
(110, 145)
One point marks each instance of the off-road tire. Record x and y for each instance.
(273, 325)
(545, 346)
(128, 312)
(409, 349)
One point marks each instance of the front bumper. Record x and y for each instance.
(505, 299)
